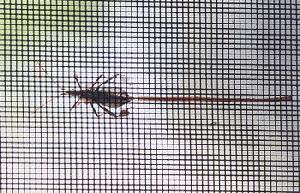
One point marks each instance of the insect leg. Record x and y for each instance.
(109, 79)
(124, 113)
(77, 81)
(107, 111)
(92, 86)
(76, 103)
(94, 110)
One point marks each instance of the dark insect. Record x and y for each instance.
(106, 97)
(111, 97)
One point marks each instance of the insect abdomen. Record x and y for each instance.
(109, 99)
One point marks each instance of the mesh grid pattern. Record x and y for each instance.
(223, 49)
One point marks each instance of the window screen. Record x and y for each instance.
(149, 96)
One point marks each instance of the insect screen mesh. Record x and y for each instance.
(130, 131)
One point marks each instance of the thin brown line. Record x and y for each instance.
(211, 99)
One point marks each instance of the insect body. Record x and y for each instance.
(104, 97)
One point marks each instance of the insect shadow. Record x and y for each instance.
(101, 94)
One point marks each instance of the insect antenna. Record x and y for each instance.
(44, 104)
(37, 109)
(53, 80)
